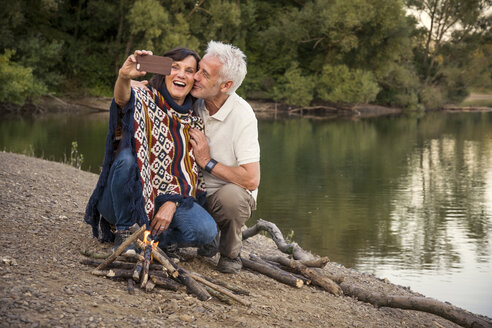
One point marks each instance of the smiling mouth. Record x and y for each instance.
(179, 84)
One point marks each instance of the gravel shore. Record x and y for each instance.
(43, 283)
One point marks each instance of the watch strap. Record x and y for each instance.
(210, 165)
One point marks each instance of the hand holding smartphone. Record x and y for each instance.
(154, 64)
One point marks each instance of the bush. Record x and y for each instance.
(17, 84)
(431, 98)
(339, 84)
(294, 88)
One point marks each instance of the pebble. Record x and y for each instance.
(186, 318)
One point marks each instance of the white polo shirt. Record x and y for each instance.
(232, 135)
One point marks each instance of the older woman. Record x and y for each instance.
(149, 174)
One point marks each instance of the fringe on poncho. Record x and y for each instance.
(157, 130)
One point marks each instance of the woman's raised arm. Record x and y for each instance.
(127, 72)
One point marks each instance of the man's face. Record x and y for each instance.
(207, 78)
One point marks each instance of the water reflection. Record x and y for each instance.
(404, 198)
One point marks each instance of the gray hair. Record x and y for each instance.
(233, 63)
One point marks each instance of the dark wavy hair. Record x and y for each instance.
(177, 54)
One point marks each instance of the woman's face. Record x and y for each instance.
(180, 81)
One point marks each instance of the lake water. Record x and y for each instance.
(408, 199)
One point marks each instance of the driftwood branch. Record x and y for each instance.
(424, 304)
(288, 248)
(122, 247)
(319, 262)
(272, 272)
(316, 278)
(293, 272)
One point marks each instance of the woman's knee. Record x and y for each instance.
(125, 158)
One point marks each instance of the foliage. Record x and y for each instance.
(354, 51)
(17, 82)
(294, 88)
(76, 158)
(339, 84)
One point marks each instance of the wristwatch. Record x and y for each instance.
(210, 165)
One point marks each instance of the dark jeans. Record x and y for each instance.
(189, 227)
(114, 204)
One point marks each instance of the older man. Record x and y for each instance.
(229, 151)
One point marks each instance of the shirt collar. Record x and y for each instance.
(226, 108)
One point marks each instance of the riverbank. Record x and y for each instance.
(263, 109)
(43, 283)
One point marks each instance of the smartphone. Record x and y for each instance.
(154, 64)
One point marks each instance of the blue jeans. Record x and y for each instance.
(190, 227)
(114, 204)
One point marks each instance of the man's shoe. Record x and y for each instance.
(120, 236)
(172, 251)
(210, 249)
(228, 265)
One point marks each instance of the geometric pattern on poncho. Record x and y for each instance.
(164, 154)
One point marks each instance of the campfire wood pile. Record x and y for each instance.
(298, 270)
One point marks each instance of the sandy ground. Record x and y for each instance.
(43, 283)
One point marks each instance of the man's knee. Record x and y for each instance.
(232, 198)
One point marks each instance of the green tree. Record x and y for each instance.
(339, 84)
(294, 88)
(17, 83)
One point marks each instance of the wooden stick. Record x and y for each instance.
(234, 289)
(160, 257)
(122, 265)
(94, 254)
(193, 287)
(221, 297)
(319, 262)
(146, 265)
(122, 247)
(218, 288)
(137, 271)
(114, 273)
(424, 304)
(278, 238)
(166, 283)
(149, 286)
(317, 279)
(293, 272)
(272, 273)
(122, 273)
(131, 257)
(131, 286)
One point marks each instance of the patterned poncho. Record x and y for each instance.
(157, 130)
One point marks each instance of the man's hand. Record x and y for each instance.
(163, 218)
(139, 84)
(200, 147)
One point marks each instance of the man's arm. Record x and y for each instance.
(246, 175)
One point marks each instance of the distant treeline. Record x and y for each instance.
(299, 52)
